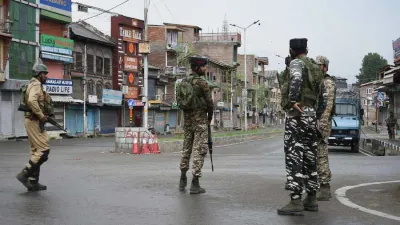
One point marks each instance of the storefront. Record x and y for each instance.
(112, 102)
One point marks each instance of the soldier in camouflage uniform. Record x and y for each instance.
(39, 103)
(288, 59)
(196, 127)
(324, 116)
(300, 137)
(391, 123)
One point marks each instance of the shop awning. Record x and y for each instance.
(388, 79)
(65, 99)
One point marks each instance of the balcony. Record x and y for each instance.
(2, 76)
(5, 24)
(177, 47)
(221, 37)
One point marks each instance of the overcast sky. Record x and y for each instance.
(344, 31)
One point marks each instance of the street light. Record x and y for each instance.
(245, 68)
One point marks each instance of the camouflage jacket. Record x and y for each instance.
(391, 121)
(202, 89)
(327, 99)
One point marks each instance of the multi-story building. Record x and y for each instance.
(368, 96)
(102, 102)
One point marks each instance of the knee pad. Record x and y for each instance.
(44, 157)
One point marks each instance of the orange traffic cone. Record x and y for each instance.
(135, 145)
(155, 146)
(151, 143)
(145, 147)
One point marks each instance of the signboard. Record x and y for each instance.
(130, 48)
(56, 48)
(130, 34)
(131, 102)
(58, 86)
(144, 48)
(396, 50)
(62, 7)
(131, 63)
(112, 97)
(92, 98)
(133, 92)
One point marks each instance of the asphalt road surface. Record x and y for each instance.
(88, 185)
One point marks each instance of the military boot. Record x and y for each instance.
(310, 203)
(294, 208)
(34, 183)
(183, 181)
(324, 193)
(195, 188)
(287, 187)
(23, 177)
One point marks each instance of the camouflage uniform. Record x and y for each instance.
(196, 129)
(300, 139)
(391, 123)
(324, 115)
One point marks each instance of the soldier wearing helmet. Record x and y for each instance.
(326, 108)
(196, 121)
(39, 104)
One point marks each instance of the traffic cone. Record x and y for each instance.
(151, 143)
(155, 146)
(135, 145)
(145, 147)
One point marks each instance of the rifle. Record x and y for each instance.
(210, 144)
(50, 120)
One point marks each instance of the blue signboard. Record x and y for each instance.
(131, 102)
(112, 97)
(380, 96)
(62, 7)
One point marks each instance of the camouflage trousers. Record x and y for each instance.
(196, 141)
(324, 172)
(301, 155)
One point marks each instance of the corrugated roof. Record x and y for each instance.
(85, 30)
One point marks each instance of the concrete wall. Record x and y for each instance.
(221, 51)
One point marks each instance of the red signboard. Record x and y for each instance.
(131, 63)
(133, 93)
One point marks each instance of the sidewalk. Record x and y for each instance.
(378, 143)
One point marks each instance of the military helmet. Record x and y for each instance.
(198, 61)
(296, 43)
(322, 60)
(39, 67)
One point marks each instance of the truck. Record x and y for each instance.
(346, 121)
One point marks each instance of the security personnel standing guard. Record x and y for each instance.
(324, 115)
(391, 123)
(196, 123)
(301, 141)
(38, 101)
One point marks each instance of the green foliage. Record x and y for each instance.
(262, 95)
(371, 64)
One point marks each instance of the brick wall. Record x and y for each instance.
(250, 68)
(217, 50)
(158, 43)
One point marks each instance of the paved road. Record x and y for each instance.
(88, 185)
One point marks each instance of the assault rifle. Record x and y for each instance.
(210, 145)
(50, 120)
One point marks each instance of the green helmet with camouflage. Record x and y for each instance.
(322, 60)
(39, 67)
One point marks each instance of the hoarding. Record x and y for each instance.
(62, 7)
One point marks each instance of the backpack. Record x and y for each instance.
(185, 94)
(22, 103)
(310, 89)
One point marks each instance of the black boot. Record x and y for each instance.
(35, 185)
(287, 186)
(324, 193)
(294, 208)
(195, 188)
(310, 202)
(183, 181)
(23, 177)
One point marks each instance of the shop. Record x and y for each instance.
(112, 102)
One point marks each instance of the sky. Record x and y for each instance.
(344, 31)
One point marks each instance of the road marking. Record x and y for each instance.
(341, 196)
(364, 152)
(244, 142)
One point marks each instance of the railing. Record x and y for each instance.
(168, 98)
(170, 70)
(5, 26)
(179, 47)
(220, 37)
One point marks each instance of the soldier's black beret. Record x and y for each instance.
(298, 43)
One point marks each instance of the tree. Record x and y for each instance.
(262, 95)
(371, 64)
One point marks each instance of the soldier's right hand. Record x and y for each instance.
(297, 107)
(44, 119)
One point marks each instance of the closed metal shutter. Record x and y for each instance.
(108, 120)
(172, 118)
(19, 118)
(6, 112)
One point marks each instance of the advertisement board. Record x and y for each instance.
(58, 86)
(62, 7)
(396, 50)
(112, 97)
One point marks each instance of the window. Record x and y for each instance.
(99, 90)
(90, 63)
(172, 38)
(99, 65)
(78, 61)
(23, 19)
(6, 96)
(107, 64)
(90, 88)
(369, 90)
(345, 109)
(22, 63)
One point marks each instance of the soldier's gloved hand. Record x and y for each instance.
(44, 119)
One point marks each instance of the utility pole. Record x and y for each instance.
(245, 70)
(146, 69)
(84, 95)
